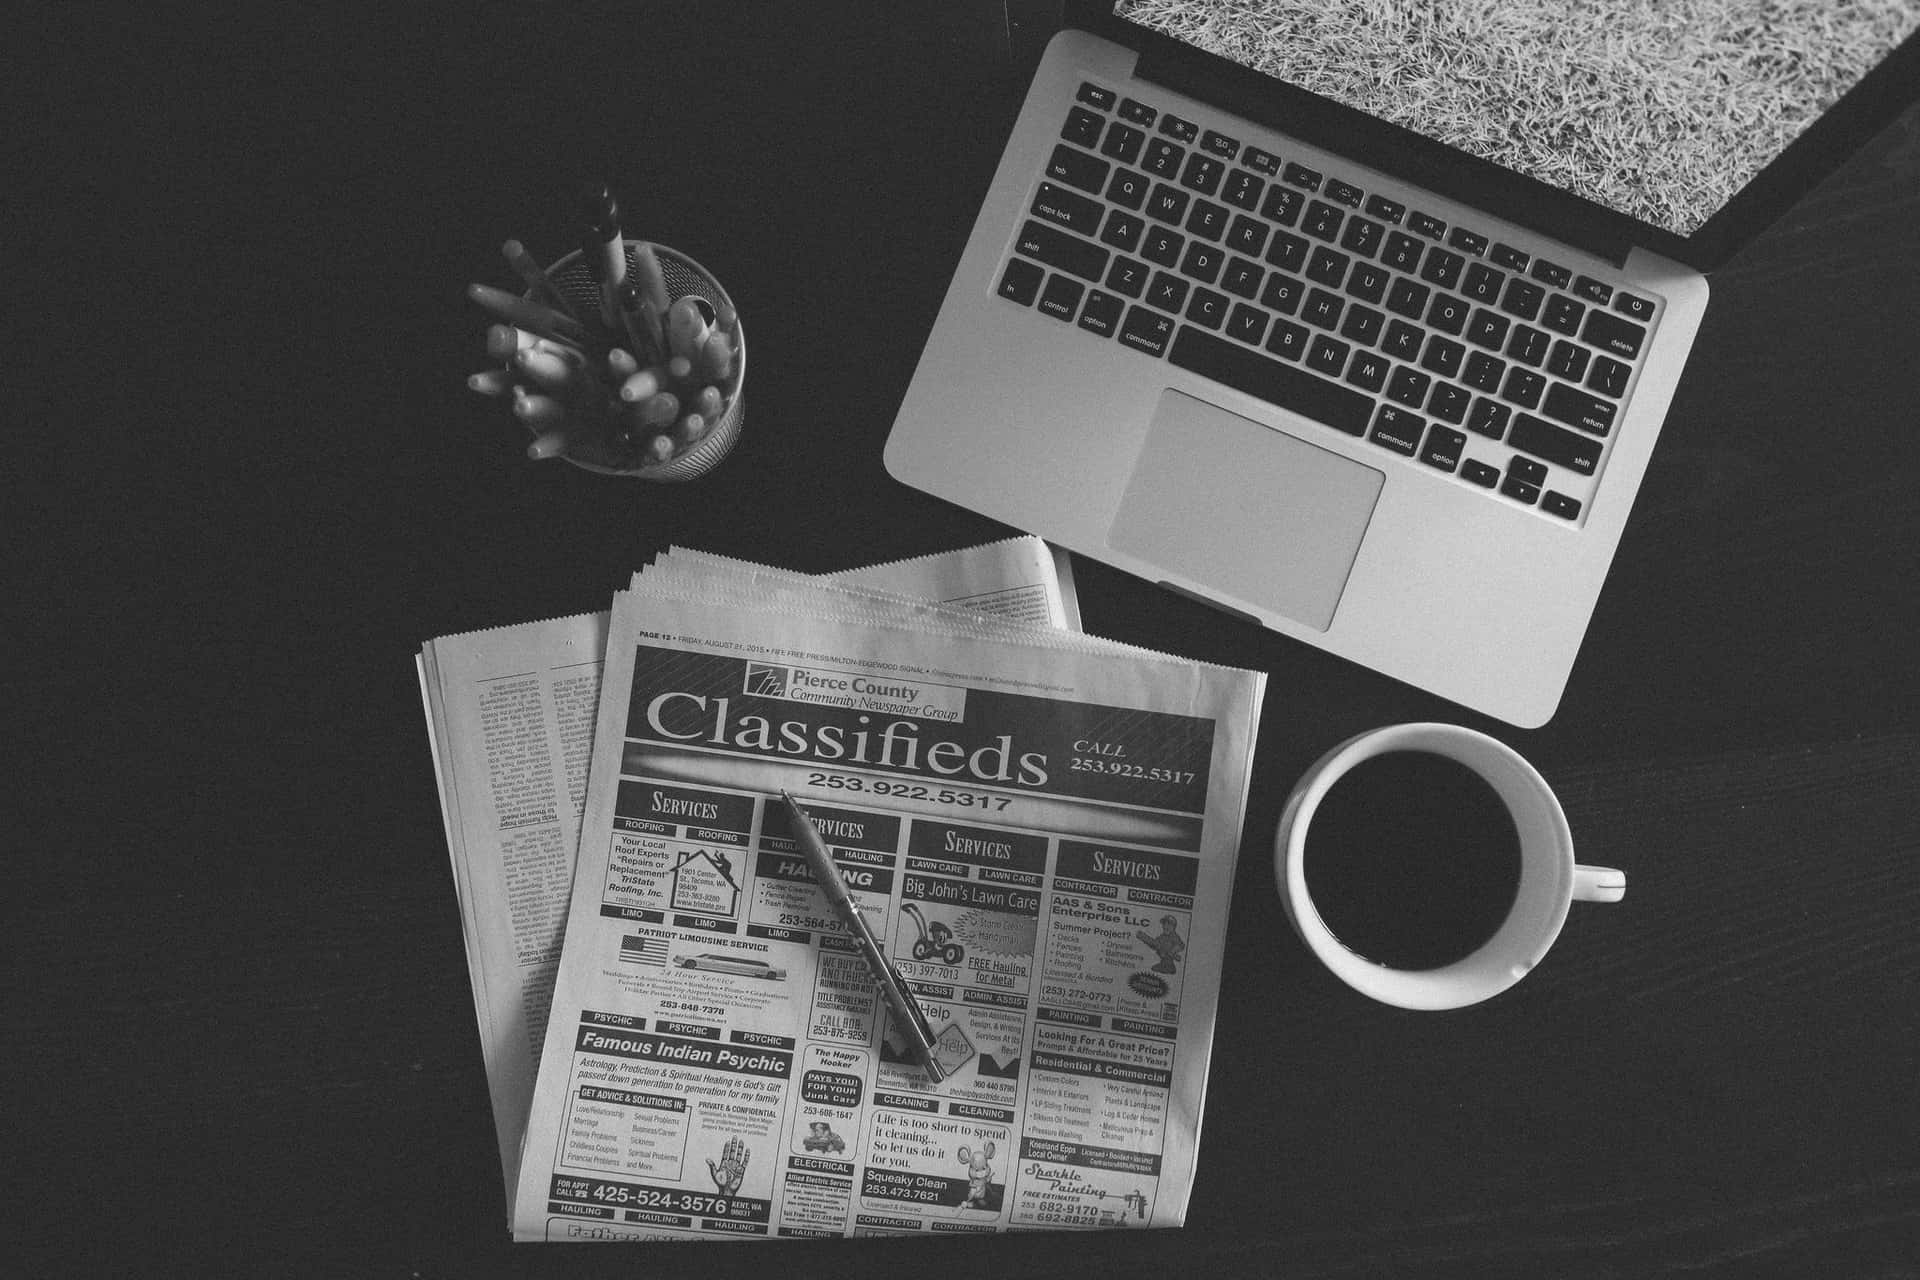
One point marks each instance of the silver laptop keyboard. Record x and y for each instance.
(1435, 343)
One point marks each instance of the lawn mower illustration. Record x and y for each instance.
(935, 941)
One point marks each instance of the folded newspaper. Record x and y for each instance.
(1040, 826)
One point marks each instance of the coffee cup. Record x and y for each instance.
(1429, 865)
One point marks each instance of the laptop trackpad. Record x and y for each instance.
(1246, 510)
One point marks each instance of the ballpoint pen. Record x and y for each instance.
(907, 1017)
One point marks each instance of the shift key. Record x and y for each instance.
(1577, 453)
(1061, 251)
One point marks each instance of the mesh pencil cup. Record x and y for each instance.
(575, 282)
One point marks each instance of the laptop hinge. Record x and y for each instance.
(1332, 127)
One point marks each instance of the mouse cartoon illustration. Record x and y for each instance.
(1167, 944)
(979, 1173)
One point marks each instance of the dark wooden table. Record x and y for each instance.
(241, 1037)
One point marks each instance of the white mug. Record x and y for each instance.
(1549, 877)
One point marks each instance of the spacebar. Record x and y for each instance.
(1269, 380)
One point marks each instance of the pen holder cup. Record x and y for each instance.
(575, 282)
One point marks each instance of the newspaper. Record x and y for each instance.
(510, 714)
(1042, 828)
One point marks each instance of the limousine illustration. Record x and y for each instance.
(712, 963)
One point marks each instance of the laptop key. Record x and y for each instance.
(1447, 313)
(1288, 339)
(1146, 330)
(1468, 241)
(1443, 447)
(1168, 291)
(1168, 204)
(1283, 293)
(1609, 376)
(1328, 355)
(1287, 252)
(1101, 315)
(1123, 143)
(1555, 503)
(1442, 356)
(1367, 281)
(1095, 96)
(1179, 130)
(1523, 298)
(1327, 266)
(1066, 208)
(1442, 268)
(1163, 246)
(1487, 329)
(1634, 307)
(1598, 291)
(1138, 112)
(1021, 281)
(1610, 333)
(1427, 225)
(1523, 388)
(1127, 276)
(1397, 430)
(1448, 402)
(1362, 236)
(1578, 409)
(1552, 272)
(1163, 158)
(1127, 189)
(1484, 372)
(1254, 374)
(1488, 418)
(1323, 309)
(1409, 387)
(1248, 235)
(1474, 471)
(1509, 257)
(1202, 173)
(1362, 325)
(1242, 278)
(1563, 314)
(1567, 361)
(1322, 220)
(1248, 324)
(1208, 308)
(1122, 230)
(1082, 127)
(1203, 261)
(1063, 252)
(1482, 283)
(1282, 205)
(1528, 345)
(1301, 176)
(1524, 478)
(1077, 169)
(1403, 252)
(1577, 453)
(1369, 370)
(1386, 210)
(1242, 189)
(1259, 161)
(1208, 219)
(1061, 298)
(1407, 298)
(1403, 340)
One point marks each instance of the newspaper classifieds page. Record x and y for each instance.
(510, 714)
(1042, 832)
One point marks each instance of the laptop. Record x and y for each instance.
(1359, 321)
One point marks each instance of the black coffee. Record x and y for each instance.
(1412, 860)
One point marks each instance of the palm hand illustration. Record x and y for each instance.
(731, 1169)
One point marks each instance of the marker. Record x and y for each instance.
(536, 411)
(633, 318)
(653, 292)
(689, 429)
(548, 444)
(642, 386)
(503, 340)
(708, 403)
(551, 373)
(660, 409)
(907, 1017)
(491, 382)
(602, 249)
(535, 277)
(716, 357)
(659, 449)
(679, 368)
(621, 364)
(517, 311)
(686, 327)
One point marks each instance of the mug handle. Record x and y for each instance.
(1598, 884)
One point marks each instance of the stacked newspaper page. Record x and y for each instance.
(1040, 826)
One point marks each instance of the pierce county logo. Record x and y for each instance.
(855, 690)
(766, 680)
